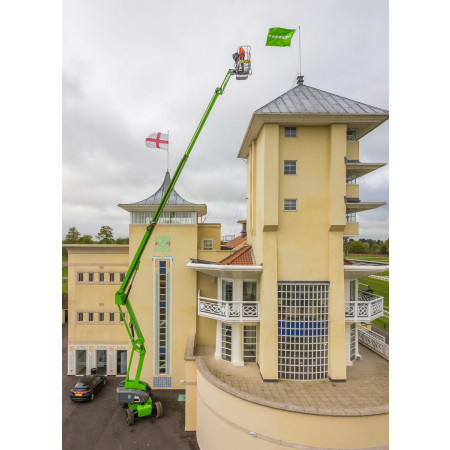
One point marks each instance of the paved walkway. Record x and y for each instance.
(366, 391)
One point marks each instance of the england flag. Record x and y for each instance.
(158, 140)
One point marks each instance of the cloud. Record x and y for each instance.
(132, 70)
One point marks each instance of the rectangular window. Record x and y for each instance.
(80, 277)
(290, 204)
(352, 341)
(250, 343)
(162, 293)
(303, 330)
(226, 342)
(91, 277)
(80, 317)
(120, 316)
(91, 317)
(350, 215)
(227, 290)
(178, 217)
(351, 135)
(350, 177)
(111, 278)
(249, 291)
(101, 317)
(111, 317)
(101, 277)
(290, 131)
(208, 244)
(290, 167)
(122, 277)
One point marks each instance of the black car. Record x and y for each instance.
(87, 387)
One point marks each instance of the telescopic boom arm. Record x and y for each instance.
(121, 297)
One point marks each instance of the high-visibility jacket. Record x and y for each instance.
(241, 52)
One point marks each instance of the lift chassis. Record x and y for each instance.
(133, 394)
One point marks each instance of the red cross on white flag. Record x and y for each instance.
(158, 140)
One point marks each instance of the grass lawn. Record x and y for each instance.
(65, 272)
(381, 258)
(64, 286)
(379, 287)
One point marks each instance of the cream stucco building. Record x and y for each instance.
(252, 328)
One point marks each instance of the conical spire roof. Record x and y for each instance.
(155, 199)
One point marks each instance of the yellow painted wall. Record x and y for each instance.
(209, 231)
(351, 229)
(184, 293)
(352, 190)
(206, 328)
(352, 152)
(225, 421)
(94, 297)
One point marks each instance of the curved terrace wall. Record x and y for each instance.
(226, 418)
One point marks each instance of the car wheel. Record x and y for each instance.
(130, 417)
(159, 409)
(92, 396)
(104, 381)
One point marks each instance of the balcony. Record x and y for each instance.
(351, 229)
(352, 190)
(227, 311)
(367, 308)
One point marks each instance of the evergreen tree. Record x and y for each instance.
(72, 236)
(105, 235)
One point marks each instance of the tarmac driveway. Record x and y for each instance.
(101, 424)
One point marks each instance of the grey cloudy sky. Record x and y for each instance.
(132, 68)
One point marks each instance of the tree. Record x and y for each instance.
(122, 240)
(385, 247)
(86, 239)
(375, 248)
(357, 247)
(72, 236)
(105, 235)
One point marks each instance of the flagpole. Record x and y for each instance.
(168, 140)
(299, 53)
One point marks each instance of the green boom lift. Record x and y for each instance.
(133, 394)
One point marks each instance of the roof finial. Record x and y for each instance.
(300, 80)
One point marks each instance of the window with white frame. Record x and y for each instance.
(176, 217)
(227, 290)
(101, 277)
(249, 291)
(290, 131)
(290, 167)
(208, 244)
(80, 317)
(90, 317)
(290, 204)
(303, 330)
(249, 346)
(80, 277)
(111, 317)
(352, 290)
(226, 342)
(111, 277)
(91, 277)
(101, 317)
(350, 215)
(162, 293)
(122, 277)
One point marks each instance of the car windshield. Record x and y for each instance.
(80, 386)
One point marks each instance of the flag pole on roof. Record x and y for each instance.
(167, 150)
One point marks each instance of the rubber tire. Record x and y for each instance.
(159, 410)
(92, 396)
(104, 382)
(149, 392)
(130, 417)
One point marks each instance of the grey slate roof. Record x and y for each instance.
(155, 199)
(308, 100)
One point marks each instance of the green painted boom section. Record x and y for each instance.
(121, 297)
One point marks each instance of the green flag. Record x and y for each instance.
(279, 37)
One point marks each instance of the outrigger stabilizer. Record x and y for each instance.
(133, 394)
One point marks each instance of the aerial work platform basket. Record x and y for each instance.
(242, 62)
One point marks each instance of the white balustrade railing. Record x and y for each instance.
(368, 307)
(374, 341)
(229, 311)
(379, 277)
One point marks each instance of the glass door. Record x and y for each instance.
(250, 343)
(121, 362)
(101, 362)
(80, 362)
